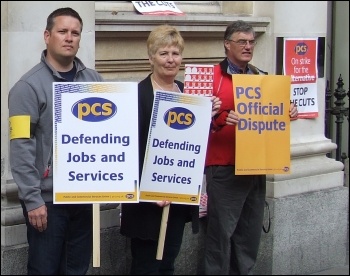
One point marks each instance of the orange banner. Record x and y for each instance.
(263, 132)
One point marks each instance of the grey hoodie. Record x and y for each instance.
(30, 157)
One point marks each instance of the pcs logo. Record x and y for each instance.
(301, 48)
(179, 118)
(94, 109)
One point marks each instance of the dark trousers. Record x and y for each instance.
(144, 252)
(235, 217)
(65, 247)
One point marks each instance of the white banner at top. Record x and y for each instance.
(157, 7)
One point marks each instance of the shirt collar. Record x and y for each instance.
(234, 69)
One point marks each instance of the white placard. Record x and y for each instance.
(157, 7)
(95, 149)
(176, 148)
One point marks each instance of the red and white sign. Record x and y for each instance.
(199, 79)
(300, 62)
(157, 7)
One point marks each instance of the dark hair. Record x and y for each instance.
(59, 12)
(239, 26)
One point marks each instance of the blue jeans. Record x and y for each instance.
(65, 247)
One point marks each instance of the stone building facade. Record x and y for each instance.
(308, 209)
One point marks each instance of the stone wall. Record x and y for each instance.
(308, 234)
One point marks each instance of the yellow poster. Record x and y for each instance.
(263, 132)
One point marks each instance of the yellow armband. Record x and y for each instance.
(19, 126)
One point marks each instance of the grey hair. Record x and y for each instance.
(238, 26)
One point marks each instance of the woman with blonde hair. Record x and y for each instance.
(141, 221)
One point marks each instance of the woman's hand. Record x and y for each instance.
(216, 104)
(163, 203)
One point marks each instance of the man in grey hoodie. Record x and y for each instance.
(59, 235)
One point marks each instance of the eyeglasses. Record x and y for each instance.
(243, 42)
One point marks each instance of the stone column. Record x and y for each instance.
(22, 41)
(241, 8)
(308, 208)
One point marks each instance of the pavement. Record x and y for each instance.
(339, 270)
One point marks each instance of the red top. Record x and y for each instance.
(222, 139)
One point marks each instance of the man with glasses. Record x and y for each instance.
(235, 202)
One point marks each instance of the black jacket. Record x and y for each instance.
(142, 220)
